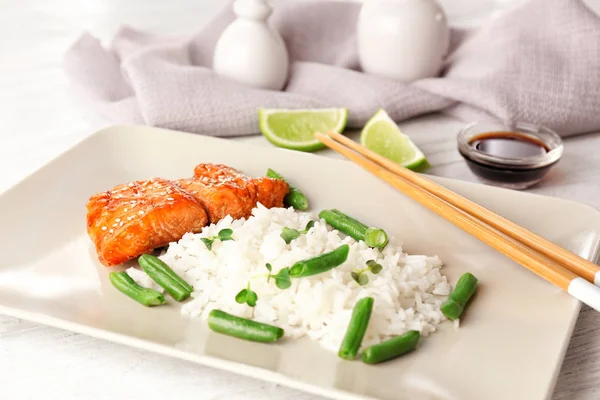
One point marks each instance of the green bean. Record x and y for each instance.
(126, 285)
(295, 198)
(242, 328)
(319, 264)
(456, 303)
(348, 218)
(165, 277)
(376, 237)
(160, 263)
(391, 348)
(344, 224)
(373, 237)
(356, 328)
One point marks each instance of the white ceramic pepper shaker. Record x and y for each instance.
(404, 40)
(250, 51)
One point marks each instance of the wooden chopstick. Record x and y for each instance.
(569, 260)
(539, 264)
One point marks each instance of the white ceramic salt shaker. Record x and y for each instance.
(250, 51)
(404, 40)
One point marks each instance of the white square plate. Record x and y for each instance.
(509, 346)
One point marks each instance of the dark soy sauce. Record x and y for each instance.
(508, 145)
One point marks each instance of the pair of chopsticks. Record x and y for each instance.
(575, 275)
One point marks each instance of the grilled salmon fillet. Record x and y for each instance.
(222, 199)
(269, 192)
(135, 218)
(224, 191)
(212, 174)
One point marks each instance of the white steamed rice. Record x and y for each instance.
(408, 292)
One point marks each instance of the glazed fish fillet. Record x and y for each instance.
(222, 199)
(135, 218)
(224, 191)
(269, 192)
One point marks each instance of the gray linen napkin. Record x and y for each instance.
(538, 63)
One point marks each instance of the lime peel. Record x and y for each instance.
(384, 137)
(295, 128)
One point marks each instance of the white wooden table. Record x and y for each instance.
(38, 121)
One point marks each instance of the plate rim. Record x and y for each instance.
(109, 131)
(232, 366)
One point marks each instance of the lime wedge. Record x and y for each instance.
(295, 129)
(382, 135)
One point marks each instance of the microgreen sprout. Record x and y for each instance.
(223, 235)
(289, 234)
(361, 277)
(247, 296)
(282, 278)
(374, 267)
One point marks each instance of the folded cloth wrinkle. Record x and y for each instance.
(538, 63)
